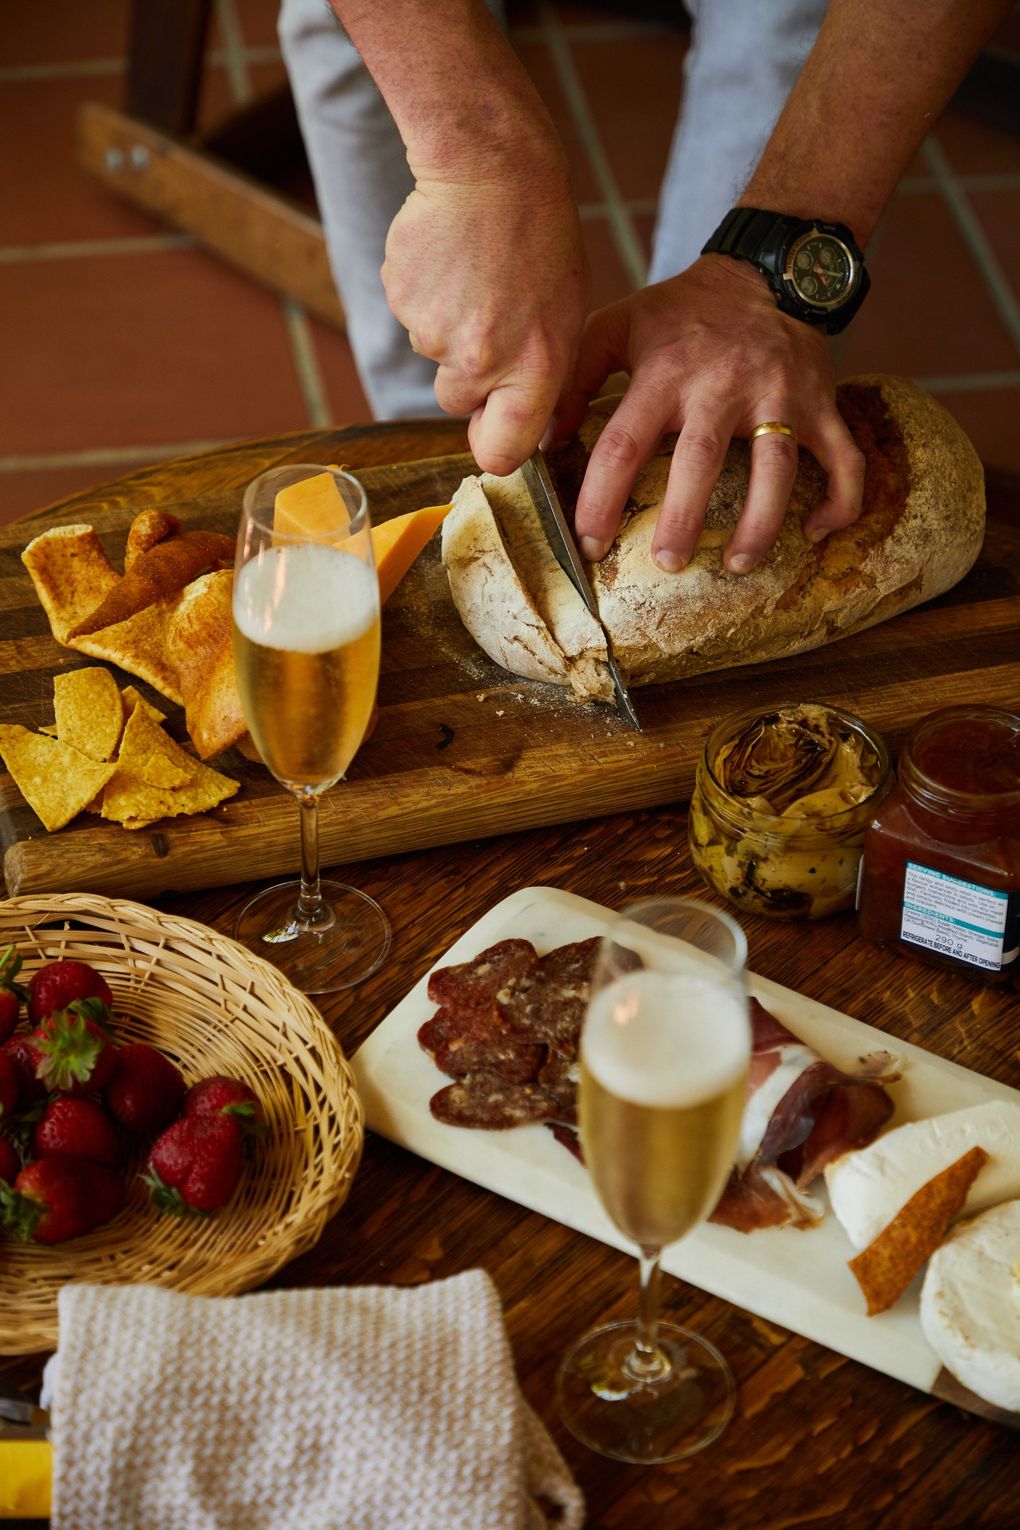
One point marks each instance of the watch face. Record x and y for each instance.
(821, 270)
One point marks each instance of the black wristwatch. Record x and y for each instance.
(816, 270)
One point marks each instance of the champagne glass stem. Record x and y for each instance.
(646, 1362)
(310, 902)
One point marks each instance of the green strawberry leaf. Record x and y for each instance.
(168, 1198)
(10, 966)
(19, 1214)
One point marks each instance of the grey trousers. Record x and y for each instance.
(743, 60)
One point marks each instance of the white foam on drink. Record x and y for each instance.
(666, 1040)
(305, 598)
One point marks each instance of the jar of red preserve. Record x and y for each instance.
(940, 873)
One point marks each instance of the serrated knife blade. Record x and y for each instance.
(540, 486)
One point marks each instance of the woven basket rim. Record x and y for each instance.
(216, 1007)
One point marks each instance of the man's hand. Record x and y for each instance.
(488, 277)
(711, 356)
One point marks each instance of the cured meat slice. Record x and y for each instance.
(801, 1112)
(487, 1100)
(474, 984)
(468, 1043)
(558, 1076)
(548, 1003)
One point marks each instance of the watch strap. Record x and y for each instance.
(762, 238)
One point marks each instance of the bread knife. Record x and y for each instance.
(558, 534)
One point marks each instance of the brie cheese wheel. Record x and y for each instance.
(868, 1187)
(970, 1305)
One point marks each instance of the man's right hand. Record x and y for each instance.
(488, 277)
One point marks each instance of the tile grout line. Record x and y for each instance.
(1003, 299)
(627, 242)
(75, 249)
(299, 335)
(102, 456)
(969, 382)
(306, 363)
(236, 60)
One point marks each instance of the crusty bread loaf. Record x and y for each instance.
(920, 531)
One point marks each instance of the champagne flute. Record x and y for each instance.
(664, 1054)
(306, 647)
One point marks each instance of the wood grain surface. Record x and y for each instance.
(462, 748)
(817, 1440)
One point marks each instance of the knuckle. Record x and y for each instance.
(617, 447)
(699, 449)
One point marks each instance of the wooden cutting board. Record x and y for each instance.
(462, 749)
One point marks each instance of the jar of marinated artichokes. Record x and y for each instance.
(781, 802)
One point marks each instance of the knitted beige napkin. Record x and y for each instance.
(381, 1407)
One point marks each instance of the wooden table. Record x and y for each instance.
(817, 1439)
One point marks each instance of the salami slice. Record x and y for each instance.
(468, 1043)
(548, 1002)
(473, 985)
(485, 1099)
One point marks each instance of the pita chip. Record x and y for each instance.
(200, 645)
(137, 645)
(886, 1267)
(71, 574)
(57, 781)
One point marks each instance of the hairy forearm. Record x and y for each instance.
(463, 103)
(876, 80)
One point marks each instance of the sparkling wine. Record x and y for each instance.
(663, 1071)
(306, 642)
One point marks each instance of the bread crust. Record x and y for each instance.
(920, 531)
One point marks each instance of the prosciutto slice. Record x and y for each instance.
(801, 1112)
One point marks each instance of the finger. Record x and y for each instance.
(843, 462)
(773, 469)
(508, 427)
(621, 451)
(697, 462)
(601, 350)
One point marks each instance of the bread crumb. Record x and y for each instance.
(482, 696)
(499, 711)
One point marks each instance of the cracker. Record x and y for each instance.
(886, 1267)
(56, 781)
(89, 712)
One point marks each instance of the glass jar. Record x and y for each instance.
(941, 869)
(781, 801)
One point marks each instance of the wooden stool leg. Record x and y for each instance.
(165, 53)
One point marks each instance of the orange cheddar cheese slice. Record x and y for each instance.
(398, 542)
(312, 507)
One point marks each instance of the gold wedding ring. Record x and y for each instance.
(773, 427)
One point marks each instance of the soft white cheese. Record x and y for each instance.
(970, 1305)
(868, 1187)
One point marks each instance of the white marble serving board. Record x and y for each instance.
(796, 1278)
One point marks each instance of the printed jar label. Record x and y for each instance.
(960, 919)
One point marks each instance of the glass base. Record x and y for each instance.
(615, 1411)
(347, 944)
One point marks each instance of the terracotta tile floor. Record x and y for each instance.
(124, 342)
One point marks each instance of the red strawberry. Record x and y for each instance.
(10, 1162)
(79, 1128)
(10, 1086)
(221, 1095)
(12, 994)
(26, 1058)
(146, 1089)
(57, 1198)
(59, 984)
(76, 1051)
(196, 1164)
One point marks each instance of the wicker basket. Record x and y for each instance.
(214, 1008)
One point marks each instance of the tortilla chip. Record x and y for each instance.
(89, 711)
(137, 645)
(155, 778)
(56, 781)
(886, 1267)
(132, 697)
(71, 574)
(50, 729)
